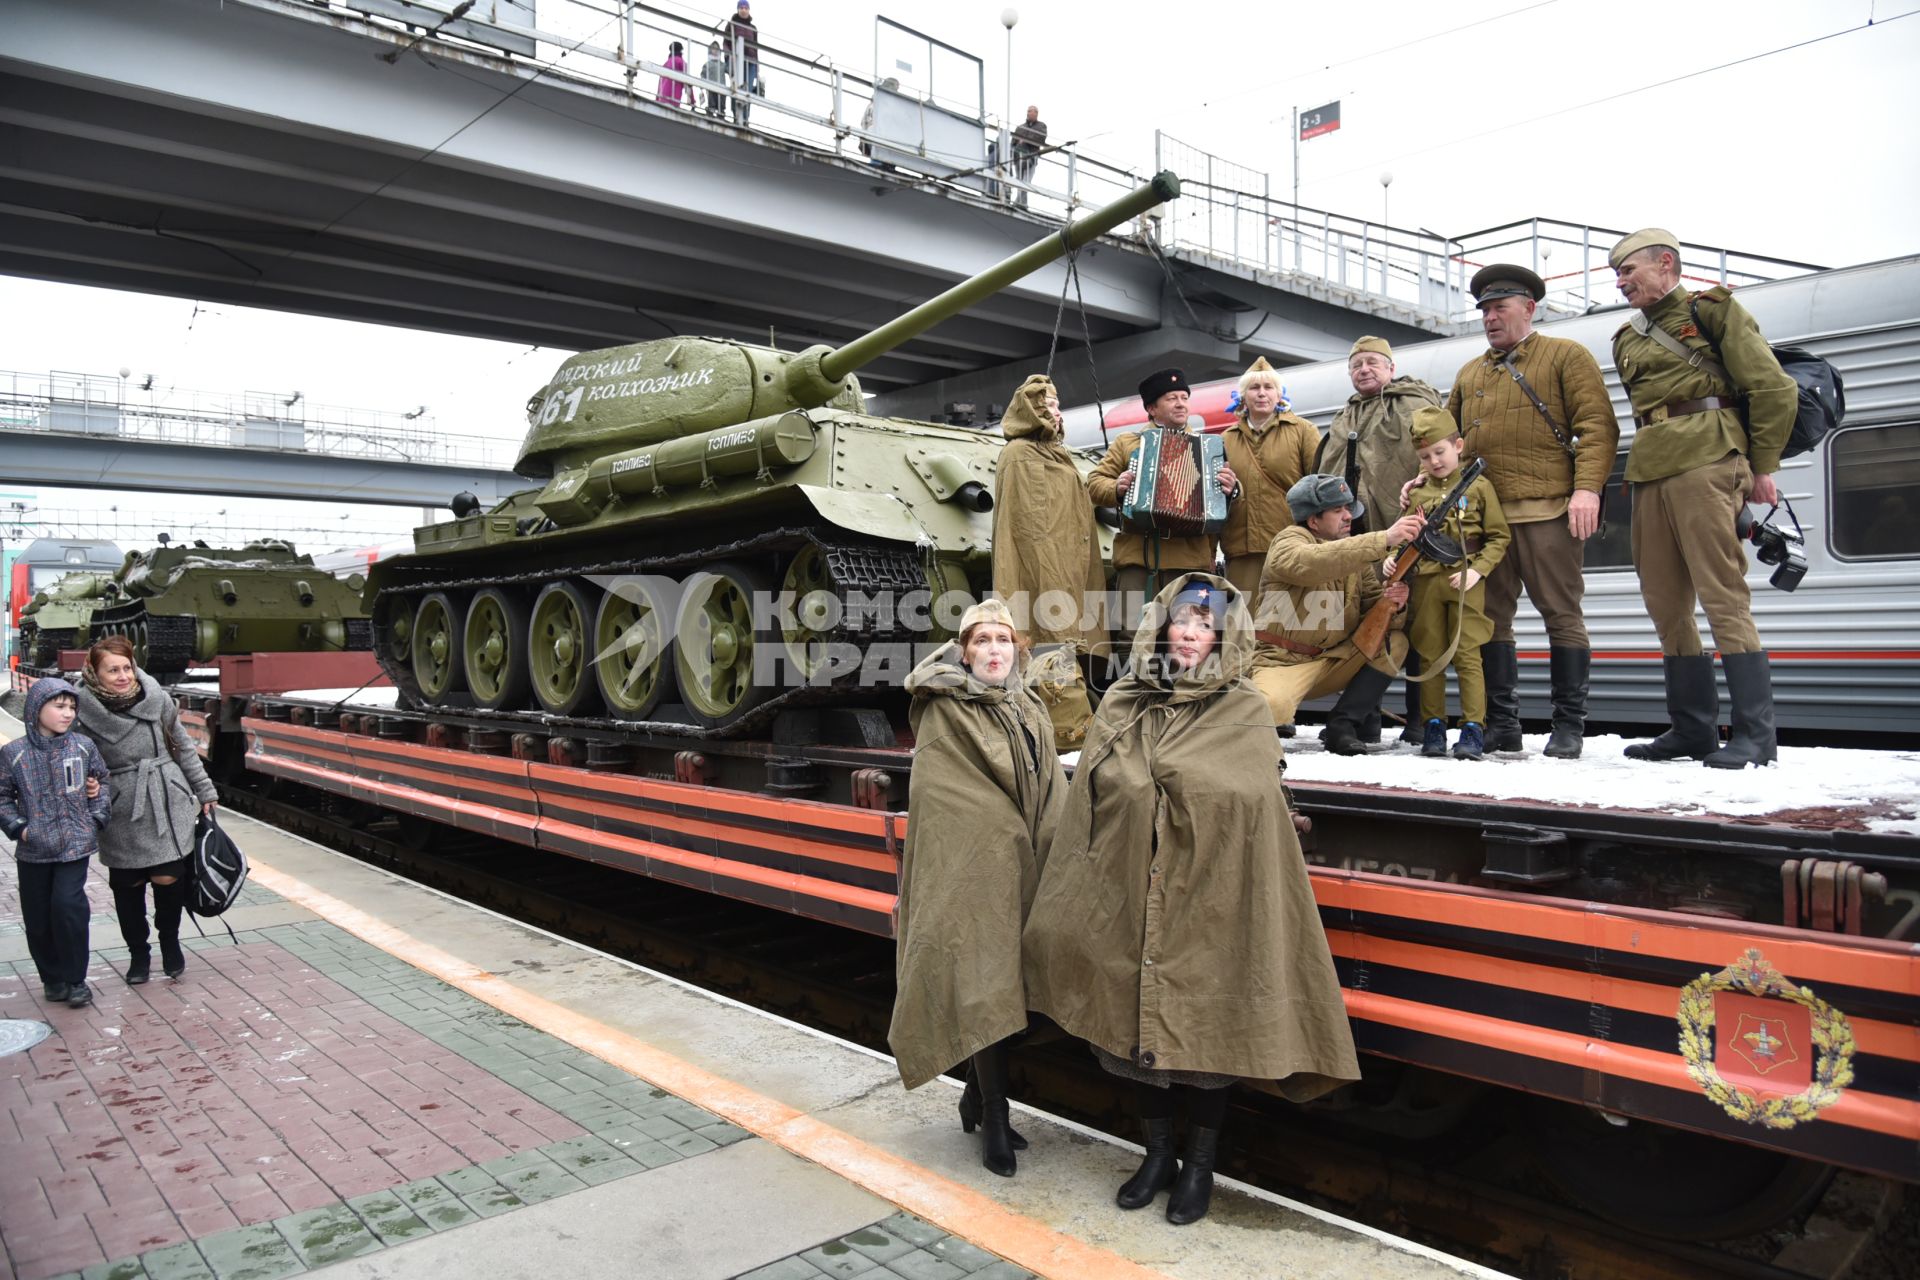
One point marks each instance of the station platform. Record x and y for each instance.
(381, 1081)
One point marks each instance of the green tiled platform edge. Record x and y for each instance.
(631, 1126)
(902, 1247)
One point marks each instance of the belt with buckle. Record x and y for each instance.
(1681, 408)
(1291, 646)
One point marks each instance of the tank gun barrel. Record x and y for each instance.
(841, 361)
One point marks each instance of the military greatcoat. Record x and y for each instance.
(985, 793)
(1175, 925)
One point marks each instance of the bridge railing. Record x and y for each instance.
(109, 406)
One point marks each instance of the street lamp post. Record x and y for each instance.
(1008, 19)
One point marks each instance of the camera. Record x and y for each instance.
(1775, 546)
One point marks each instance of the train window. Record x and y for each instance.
(1612, 547)
(1875, 487)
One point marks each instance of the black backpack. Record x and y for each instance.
(216, 871)
(1823, 394)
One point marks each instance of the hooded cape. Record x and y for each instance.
(985, 792)
(1175, 925)
(1387, 456)
(1044, 536)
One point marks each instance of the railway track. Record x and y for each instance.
(1468, 1187)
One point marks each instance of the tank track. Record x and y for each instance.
(42, 648)
(359, 633)
(169, 639)
(868, 567)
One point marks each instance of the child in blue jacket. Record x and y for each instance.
(53, 802)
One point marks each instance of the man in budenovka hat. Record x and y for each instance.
(1166, 395)
(1536, 408)
(1380, 411)
(1695, 461)
(1318, 583)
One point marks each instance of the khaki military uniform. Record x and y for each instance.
(1533, 475)
(1692, 468)
(1384, 424)
(1313, 594)
(1438, 609)
(1136, 555)
(1267, 463)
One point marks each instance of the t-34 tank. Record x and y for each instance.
(723, 532)
(57, 617)
(182, 604)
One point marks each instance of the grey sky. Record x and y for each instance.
(1808, 154)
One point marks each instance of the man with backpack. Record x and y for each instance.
(1712, 411)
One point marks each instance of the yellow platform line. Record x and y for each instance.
(953, 1207)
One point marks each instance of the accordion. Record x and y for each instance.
(1176, 487)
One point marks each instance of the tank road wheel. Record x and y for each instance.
(137, 633)
(494, 645)
(816, 608)
(437, 665)
(715, 643)
(560, 649)
(396, 622)
(631, 661)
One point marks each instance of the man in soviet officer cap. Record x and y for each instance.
(1136, 556)
(1536, 408)
(1318, 583)
(1693, 463)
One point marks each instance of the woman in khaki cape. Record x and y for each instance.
(1175, 930)
(981, 806)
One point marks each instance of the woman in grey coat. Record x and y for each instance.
(159, 791)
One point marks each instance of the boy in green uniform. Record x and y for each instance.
(1449, 601)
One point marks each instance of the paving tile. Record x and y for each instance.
(434, 1204)
(786, 1269)
(881, 1246)
(964, 1254)
(840, 1260)
(389, 1217)
(916, 1231)
(536, 1183)
(491, 1201)
(1004, 1270)
(251, 1253)
(124, 1269)
(690, 1144)
(323, 1236)
(468, 1181)
(922, 1264)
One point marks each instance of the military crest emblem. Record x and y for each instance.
(1766, 1051)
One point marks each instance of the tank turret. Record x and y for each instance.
(59, 616)
(722, 531)
(184, 603)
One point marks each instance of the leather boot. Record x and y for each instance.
(1345, 734)
(1413, 730)
(1193, 1190)
(996, 1134)
(970, 1110)
(1370, 727)
(1693, 708)
(1570, 669)
(130, 904)
(1500, 662)
(1750, 688)
(1157, 1171)
(168, 902)
(140, 966)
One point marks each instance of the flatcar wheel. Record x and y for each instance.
(715, 643)
(632, 661)
(437, 657)
(560, 649)
(815, 605)
(494, 645)
(1668, 1182)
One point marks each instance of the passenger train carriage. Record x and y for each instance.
(1846, 644)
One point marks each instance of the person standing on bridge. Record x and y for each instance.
(985, 793)
(1380, 412)
(159, 790)
(743, 53)
(1028, 138)
(1175, 930)
(1046, 549)
(1536, 408)
(1142, 562)
(675, 93)
(1708, 431)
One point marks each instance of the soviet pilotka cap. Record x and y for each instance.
(1505, 280)
(1432, 424)
(1313, 494)
(1645, 238)
(1370, 343)
(1155, 385)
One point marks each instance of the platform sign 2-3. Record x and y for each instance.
(1319, 120)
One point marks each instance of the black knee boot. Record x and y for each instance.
(1193, 1191)
(996, 1134)
(1500, 661)
(1750, 687)
(1345, 735)
(1158, 1170)
(1570, 669)
(1414, 730)
(130, 904)
(168, 902)
(1693, 709)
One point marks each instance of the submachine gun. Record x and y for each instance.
(1432, 544)
(1352, 476)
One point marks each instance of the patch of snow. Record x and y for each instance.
(378, 696)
